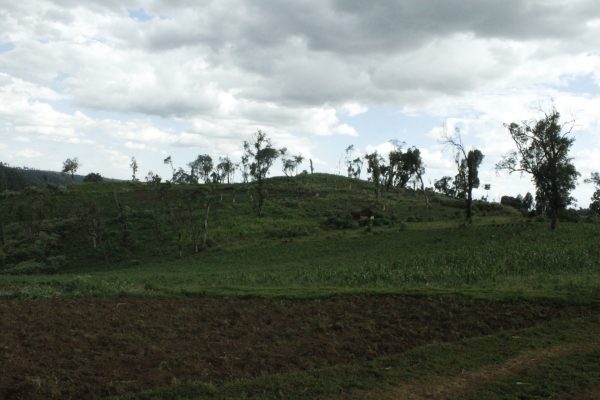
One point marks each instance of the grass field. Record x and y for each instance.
(314, 300)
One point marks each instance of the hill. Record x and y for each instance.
(15, 178)
(181, 291)
(111, 222)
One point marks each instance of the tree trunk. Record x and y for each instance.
(553, 218)
(469, 206)
(261, 199)
(205, 234)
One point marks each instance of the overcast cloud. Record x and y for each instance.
(106, 80)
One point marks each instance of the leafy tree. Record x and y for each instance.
(134, 168)
(375, 167)
(467, 178)
(93, 177)
(225, 169)
(298, 159)
(180, 176)
(595, 204)
(542, 150)
(260, 155)
(287, 163)
(444, 185)
(202, 165)
(70, 166)
(152, 178)
(527, 202)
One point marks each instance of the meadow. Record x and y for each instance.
(326, 252)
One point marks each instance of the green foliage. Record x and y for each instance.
(259, 155)
(542, 150)
(93, 177)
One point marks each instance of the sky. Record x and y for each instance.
(107, 80)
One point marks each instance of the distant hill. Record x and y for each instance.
(18, 178)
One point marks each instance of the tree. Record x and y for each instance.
(312, 170)
(287, 163)
(467, 178)
(169, 161)
(152, 178)
(225, 169)
(134, 168)
(298, 158)
(93, 177)
(202, 165)
(542, 150)
(374, 167)
(595, 204)
(527, 202)
(180, 176)
(260, 155)
(444, 185)
(70, 166)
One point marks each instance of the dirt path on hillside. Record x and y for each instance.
(86, 348)
(456, 386)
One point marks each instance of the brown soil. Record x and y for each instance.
(86, 348)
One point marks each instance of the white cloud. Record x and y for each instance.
(28, 153)
(202, 77)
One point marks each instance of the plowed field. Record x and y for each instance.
(88, 348)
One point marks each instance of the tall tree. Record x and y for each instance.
(225, 169)
(298, 159)
(70, 166)
(203, 166)
(260, 155)
(375, 166)
(467, 178)
(542, 150)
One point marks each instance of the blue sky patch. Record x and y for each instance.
(139, 15)
(6, 46)
(580, 84)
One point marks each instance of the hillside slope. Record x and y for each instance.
(110, 222)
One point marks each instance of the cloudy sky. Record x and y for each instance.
(106, 80)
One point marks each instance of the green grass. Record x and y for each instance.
(511, 258)
(416, 366)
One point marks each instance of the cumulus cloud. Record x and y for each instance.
(156, 75)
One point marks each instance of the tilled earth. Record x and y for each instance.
(88, 348)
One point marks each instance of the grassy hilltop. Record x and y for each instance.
(119, 289)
